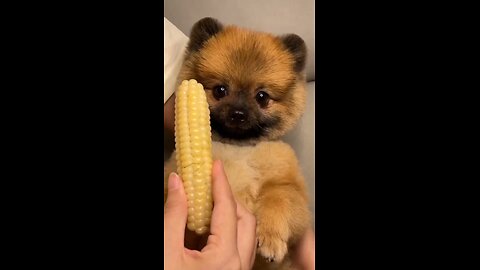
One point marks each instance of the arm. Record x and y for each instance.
(174, 46)
(169, 114)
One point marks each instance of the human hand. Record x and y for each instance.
(304, 252)
(232, 241)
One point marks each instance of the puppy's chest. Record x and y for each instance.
(242, 175)
(237, 161)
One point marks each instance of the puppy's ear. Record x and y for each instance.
(297, 47)
(202, 31)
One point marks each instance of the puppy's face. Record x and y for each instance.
(254, 81)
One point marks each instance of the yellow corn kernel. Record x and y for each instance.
(193, 144)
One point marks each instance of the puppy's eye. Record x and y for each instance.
(262, 98)
(219, 91)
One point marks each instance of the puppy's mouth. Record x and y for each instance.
(237, 132)
(244, 131)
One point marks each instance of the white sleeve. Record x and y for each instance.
(174, 45)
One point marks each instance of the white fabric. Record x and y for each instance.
(174, 45)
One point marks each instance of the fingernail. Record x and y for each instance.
(173, 181)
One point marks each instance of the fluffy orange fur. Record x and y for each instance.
(272, 69)
(264, 173)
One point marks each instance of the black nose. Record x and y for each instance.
(237, 116)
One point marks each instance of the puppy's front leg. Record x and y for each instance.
(282, 216)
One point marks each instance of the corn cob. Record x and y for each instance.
(193, 145)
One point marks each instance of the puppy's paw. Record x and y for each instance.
(271, 244)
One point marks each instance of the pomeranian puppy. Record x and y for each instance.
(255, 87)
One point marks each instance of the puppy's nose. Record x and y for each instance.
(237, 116)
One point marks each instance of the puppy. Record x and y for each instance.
(255, 87)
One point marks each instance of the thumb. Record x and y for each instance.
(175, 212)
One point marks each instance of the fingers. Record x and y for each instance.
(246, 236)
(175, 213)
(224, 216)
(303, 253)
